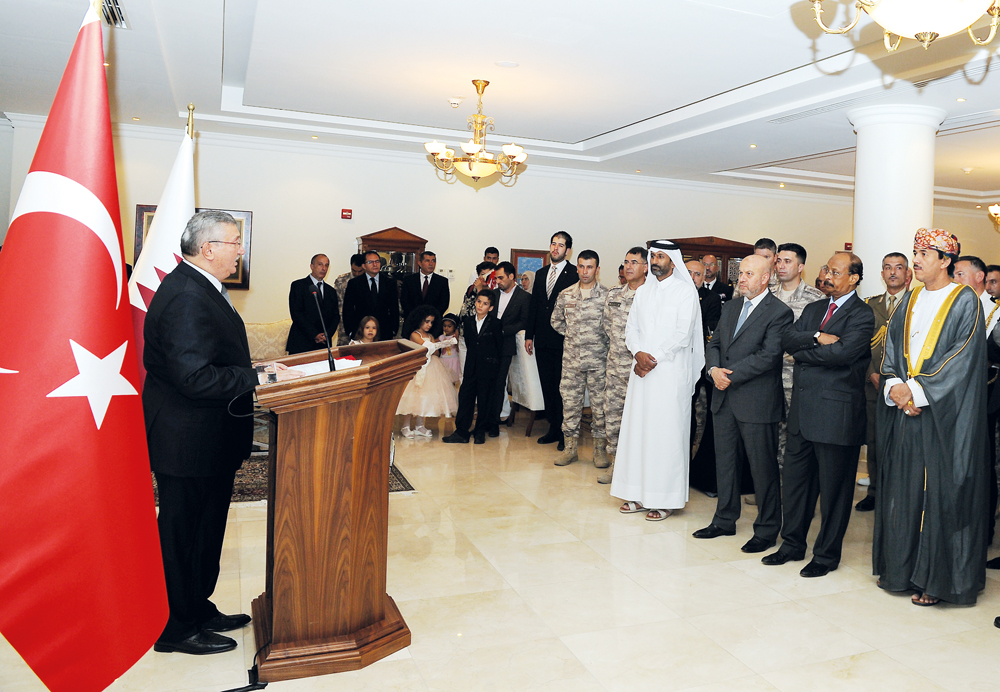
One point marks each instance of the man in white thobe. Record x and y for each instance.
(664, 332)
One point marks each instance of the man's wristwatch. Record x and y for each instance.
(816, 338)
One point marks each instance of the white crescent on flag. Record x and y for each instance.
(57, 194)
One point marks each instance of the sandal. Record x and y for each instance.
(658, 514)
(915, 600)
(631, 508)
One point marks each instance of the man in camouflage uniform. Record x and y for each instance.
(340, 285)
(790, 265)
(578, 316)
(619, 365)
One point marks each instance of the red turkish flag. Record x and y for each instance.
(82, 594)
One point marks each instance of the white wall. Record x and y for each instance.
(296, 191)
(6, 160)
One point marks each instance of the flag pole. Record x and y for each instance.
(190, 126)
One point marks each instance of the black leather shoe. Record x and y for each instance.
(996, 623)
(225, 623)
(480, 438)
(814, 569)
(780, 558)
(198, 644)
(561, 446)
(549, 437)
(455, 438)
(494, 431)
(866, 505)
(713, 531)
(757, 545)
(993, 564)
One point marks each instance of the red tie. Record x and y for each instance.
(427, 281)
(829, 314)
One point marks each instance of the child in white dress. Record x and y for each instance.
(431, 392)
(367, 331)
(449, 354)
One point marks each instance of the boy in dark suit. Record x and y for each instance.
(484, 346)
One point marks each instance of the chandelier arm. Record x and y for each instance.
(994, 13)
(818, 11)
(890, 47)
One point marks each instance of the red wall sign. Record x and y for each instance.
(345, 213)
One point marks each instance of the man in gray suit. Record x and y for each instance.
(744, 361)
(513, 303)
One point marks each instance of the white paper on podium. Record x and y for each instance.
(322, 366)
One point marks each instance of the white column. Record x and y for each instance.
(893, 182)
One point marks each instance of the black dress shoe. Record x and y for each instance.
(455, 438)
(996, 623)
(561, 446)
(757, 545)
(198, 644)
(713, 531)
(549, 437)
(225, 623)
(480, 438)
(814, 569)
(494, 431)
(780, 558)
(993, 564)
(866, 505)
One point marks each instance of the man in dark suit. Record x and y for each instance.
(197, 401)
(306, 333)
(513, 305)
(708, 300)
(713, 282)
(425, 287)
(373, 293)
(539, 336)
(483, 347)
(744, 361)
(831, 345)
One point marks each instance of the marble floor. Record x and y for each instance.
(513, 574)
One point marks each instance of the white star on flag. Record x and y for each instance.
(99, 380)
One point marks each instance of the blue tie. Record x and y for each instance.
(743, 316)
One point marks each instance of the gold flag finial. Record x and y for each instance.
(190, 127)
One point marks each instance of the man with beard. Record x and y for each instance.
(544, 341)
(895, 269)
(665, 334)
(930, 519)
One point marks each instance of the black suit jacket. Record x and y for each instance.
(482, 349)
(358, 302)
(411, 293)
(515, 318)
(723, 290)
(539, 328)
(198, 375)
(828, 386)
(755, 356)
(711, 309)
(305, 317)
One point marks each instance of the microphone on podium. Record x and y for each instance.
(329, 352)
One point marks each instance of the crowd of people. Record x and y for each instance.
(797, 378)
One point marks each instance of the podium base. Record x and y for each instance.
(301, 659)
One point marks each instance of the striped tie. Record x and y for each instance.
(550, 282)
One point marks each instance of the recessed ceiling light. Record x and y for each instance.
(506, 63)
(753, 146)
(968, 170)
(781, 184)
(979, 206)
(960, 100)
(315, 136)
(134, 118)
(107, 64)
(637, 170)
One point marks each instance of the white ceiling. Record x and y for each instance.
(675, 89)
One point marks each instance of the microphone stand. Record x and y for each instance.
(329, 352)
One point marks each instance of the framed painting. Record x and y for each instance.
(528, 261)
(238, 280)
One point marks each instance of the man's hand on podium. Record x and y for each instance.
(273, 371)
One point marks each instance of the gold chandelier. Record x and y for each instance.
(924, 20)
(477, 162)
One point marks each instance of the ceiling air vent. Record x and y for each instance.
(114, 14)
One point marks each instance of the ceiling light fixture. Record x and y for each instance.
(781, 184)
(753, 146)
(968, 170)
(994, 210)
(924, 20)
(960, 100)
(315, 136)
(477, 162)
(135, 118)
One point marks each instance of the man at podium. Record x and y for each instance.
(197, 401)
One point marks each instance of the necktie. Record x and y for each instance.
(550, 282)
(891, 303)
(829, 314)
(319, 289)
(374, 288)
(225, 294)
(743, 316)
(427, 281)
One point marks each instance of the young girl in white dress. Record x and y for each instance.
(367, 331)
(450, 354)
(431, 392)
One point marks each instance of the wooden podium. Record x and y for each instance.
(324, 608)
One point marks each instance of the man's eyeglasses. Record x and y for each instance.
(226, 242)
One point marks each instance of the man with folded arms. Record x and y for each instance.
(744, 361)
(831, 345)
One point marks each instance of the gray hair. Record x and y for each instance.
(201, 228)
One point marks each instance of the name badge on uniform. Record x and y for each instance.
(570, 304)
